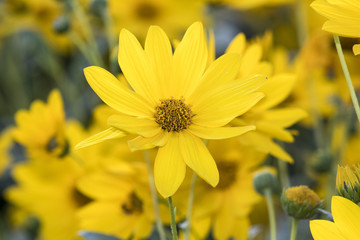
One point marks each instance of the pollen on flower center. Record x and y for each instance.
(146, 11)
(173, 115)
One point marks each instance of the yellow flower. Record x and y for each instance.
(41, 129)
(122, 204)
(346, 223)
(343, 18)
(226, 208)
(270, 120)
(176, 101)
(171, 15)
(348, 183)
(248, 4)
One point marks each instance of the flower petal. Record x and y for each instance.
(107, 134)
(250, 59)
(169, 167)
(322, 229)
(218, 133)
(190, 60)
(223, 107)
(114, 94)
(356, 49)
(237, 45)
(158, 48)
(198, 157)
(136, 66)
(346, 216)
(276, 89)
(220, 72)
(141, 143)
(142, 126)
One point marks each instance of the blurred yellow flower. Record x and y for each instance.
(176, 102)
(248, 4)
(226, 208)
(41, 129)
(343, 18)
(122, 204)
(346, 223)
(270, 120)
(171, 15)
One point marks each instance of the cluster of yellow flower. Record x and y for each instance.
(179, 110)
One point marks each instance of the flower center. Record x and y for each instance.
(80, 199)
(132, 205)
(173, 115)
(227, 171)
(146, 11)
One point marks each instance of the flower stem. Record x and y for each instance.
(294, 228)
(173, 220)
(271, 211)
(347, 76)
(154, 197)
(190, 206)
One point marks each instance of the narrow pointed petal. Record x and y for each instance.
(250, 59)
(198, 157)
(190, 60)
(224, 107)
(322, 229)
(158, 48)
(218, 133)
(136, 66)
(169, 167)
(107, 134)
(276, 90)
(141, 143)
(220, 72)
(237, 45)
(346, 215)
(284, 117)
(142, 126)
(114, 94)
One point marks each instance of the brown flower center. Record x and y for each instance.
(173, 115)
(146, 11)
(227, 171)
(133, 204)
(79, 198)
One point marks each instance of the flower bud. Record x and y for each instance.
(61, 24)
(300, 202)
(265, 178)
(348, 183)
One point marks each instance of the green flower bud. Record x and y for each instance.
(61, 24)
(348, 183)
(300, 202)
(265, 179)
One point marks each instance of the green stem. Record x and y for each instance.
(173, 220)
(154, 197)
(301, 21)
(190, 206)
(347, 76)
(271, 211)
(294, 228)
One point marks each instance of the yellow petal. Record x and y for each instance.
(284, 117)
(220, 72)
(141, 143)
(211, 55)
(169, 167)
(56, 105)
(107, 134)
(322, 229)
(356, 49)
(250, 59)
(264, 144)
(237, 45)
(218, 133)
(223, 107)
(224, 221)
(341, 29)
(136, 66)
(190, 60)
(114, 94)
(346, 216)
(142, 126)
(198, 157)
(274, 131)
(276, 89)
(158, 48)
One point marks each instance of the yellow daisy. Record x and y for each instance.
(343, 17)
(346, 223)
(176, 101)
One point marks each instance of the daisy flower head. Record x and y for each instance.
(175, 101)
